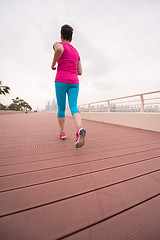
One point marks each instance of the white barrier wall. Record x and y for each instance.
(147, 121)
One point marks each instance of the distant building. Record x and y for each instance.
(120, 108)
(51, 106)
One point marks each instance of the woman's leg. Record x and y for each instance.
(77, 120)
(61, 122)
(73, 91)
(72, 98)
(61, 102)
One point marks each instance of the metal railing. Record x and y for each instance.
(138, 104)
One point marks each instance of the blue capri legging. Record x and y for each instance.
(72, 92)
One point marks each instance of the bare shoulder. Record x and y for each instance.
(58, 45)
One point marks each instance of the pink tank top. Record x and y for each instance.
(67, 65)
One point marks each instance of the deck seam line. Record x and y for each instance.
(41, 160)
(52, 141)
(43, 146)
(100, 159)
(77, 195)
(85, 153)
(107, 218)
(78, 175)
(133, 136)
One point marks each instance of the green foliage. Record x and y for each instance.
(11, 106)
(2, 107)
(4, 89)
(20, 104)
(17, 105)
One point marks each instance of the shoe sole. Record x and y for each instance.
(63, 138)
(81, 140)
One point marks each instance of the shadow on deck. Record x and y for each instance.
(108, 189)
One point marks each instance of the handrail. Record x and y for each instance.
(108, 101)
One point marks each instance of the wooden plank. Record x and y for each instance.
(50, 153)
(83, 166)
(15, 169)
(115, 134)
(62, 218)
(69, 144)
(50, 139)
(74, 197)
(18, 200)
(140, 222)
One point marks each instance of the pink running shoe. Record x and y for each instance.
(80, 140)
(63, 136)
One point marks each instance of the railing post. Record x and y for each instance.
(109, 106)
(142, 103)
(89, 107)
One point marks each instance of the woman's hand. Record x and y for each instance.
(79, 68)
(53, 67)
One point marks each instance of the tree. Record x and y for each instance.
(11, 106)
(28, 107)
(4, 89)
(21, 104)
(16, 101)
(2, 107)
(25, 106)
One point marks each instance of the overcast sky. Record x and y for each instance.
(118, 42)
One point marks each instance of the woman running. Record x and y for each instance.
(66, 81)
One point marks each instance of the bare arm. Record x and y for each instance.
(79, 68)
(57, 54)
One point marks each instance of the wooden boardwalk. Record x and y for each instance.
(108, 189)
